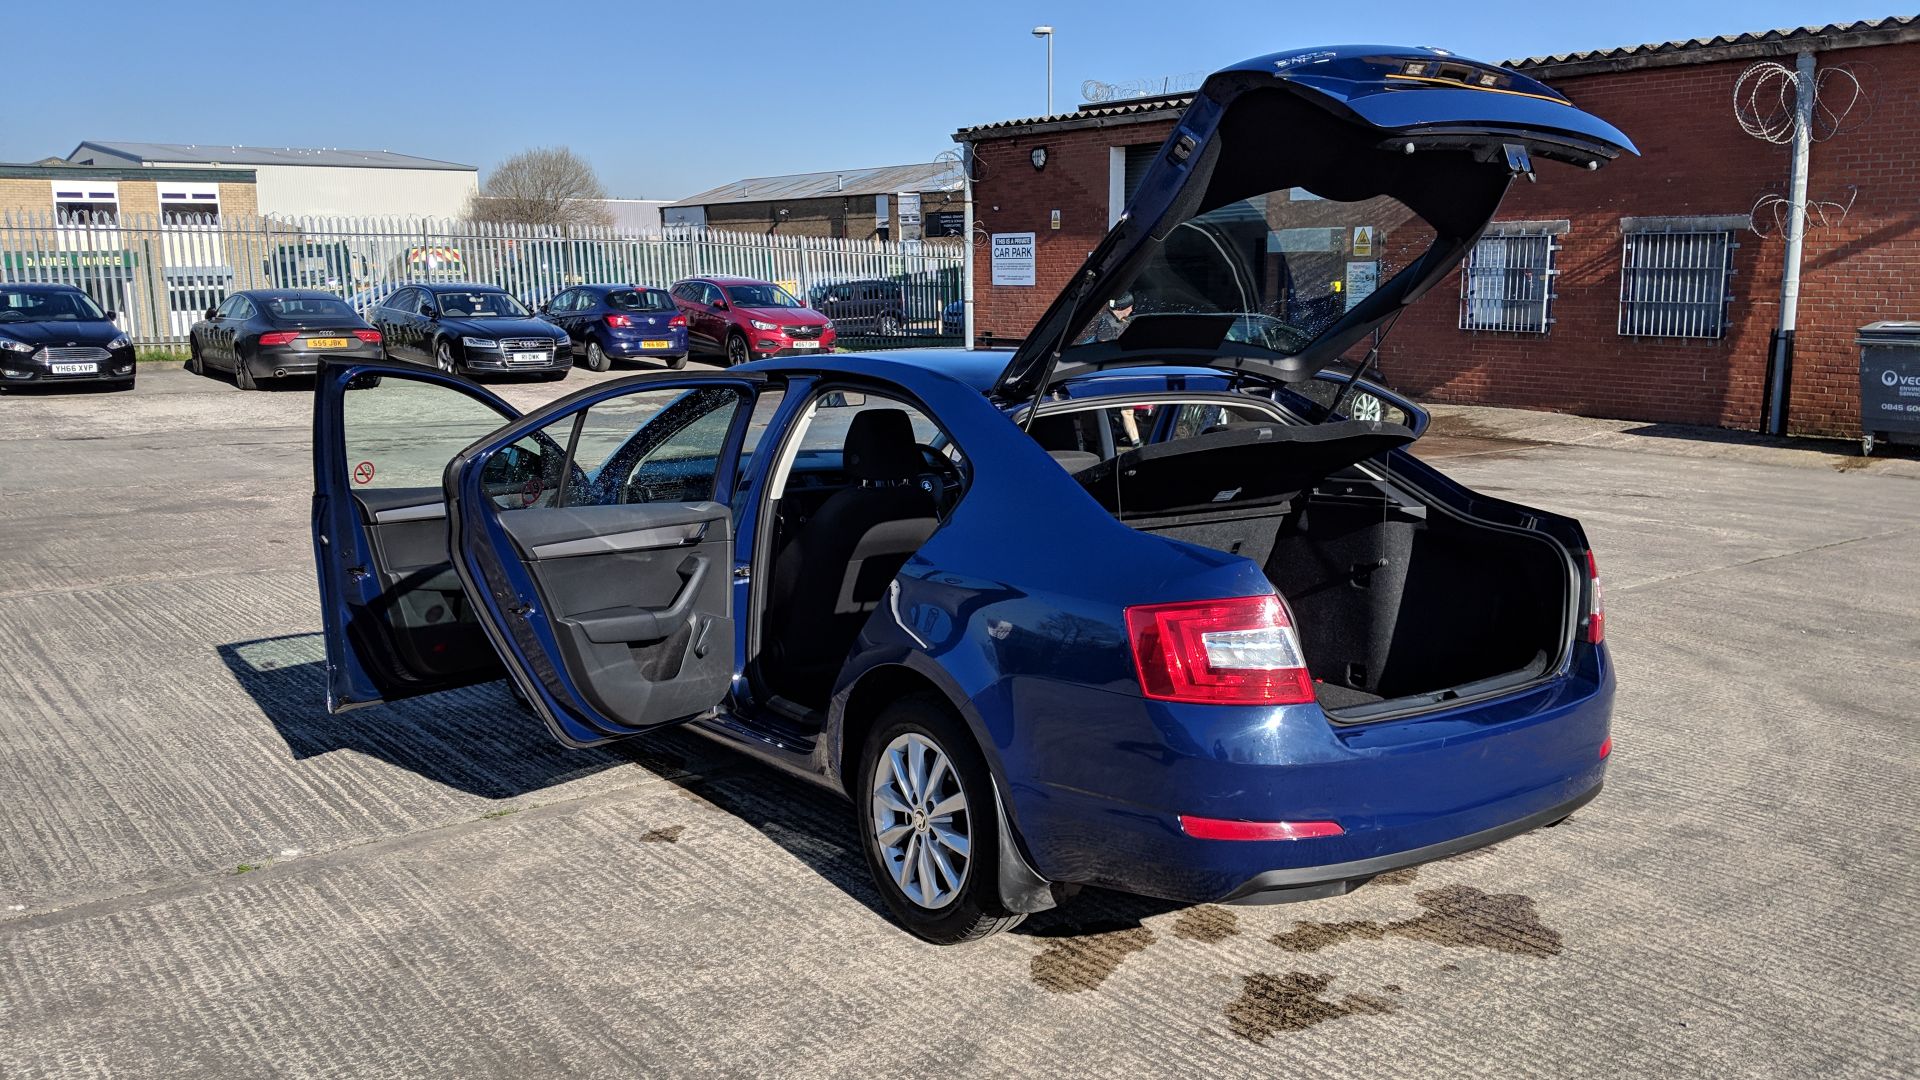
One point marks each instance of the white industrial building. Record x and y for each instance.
(294, 182)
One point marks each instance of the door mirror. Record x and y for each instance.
(112, 315)
(719, 305)
(211, 315)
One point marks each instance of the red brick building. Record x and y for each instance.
(1697, 199)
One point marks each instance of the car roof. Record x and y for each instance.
(457, 286)
(286, 294)
(723, 279)
(39, 287)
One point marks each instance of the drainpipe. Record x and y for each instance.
(1780, 358)
(966, 232)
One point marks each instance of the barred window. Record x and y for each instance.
(1506, 283)
(1674, 283)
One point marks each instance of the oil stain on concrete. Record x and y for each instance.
(1207, 924)
(1269, 1004)
(669, 834)
(1084, 960)
(1457, 916)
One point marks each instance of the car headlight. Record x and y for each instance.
(479, 343)
(561, 343)
(120, 341)
(11, 345)
(758, 325)
(828, 325)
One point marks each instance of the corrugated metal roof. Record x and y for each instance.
(200, 153)
(1887, 29)
(1895, 28)
(885, 180)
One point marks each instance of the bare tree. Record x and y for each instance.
(543, 186)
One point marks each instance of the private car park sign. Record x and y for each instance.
(1013, 258)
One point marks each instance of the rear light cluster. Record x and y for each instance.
(678, 322)
(278, 337)
(1596, 604)
(619, 320)
(1241, 651)
(371, 337)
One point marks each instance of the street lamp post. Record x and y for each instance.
(1047, 32)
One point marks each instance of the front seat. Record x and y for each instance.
(836, 569)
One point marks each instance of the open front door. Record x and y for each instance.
(606, 584)
(397, 620)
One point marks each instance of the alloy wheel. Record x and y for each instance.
(1365, 406)
(444, 358)
(921, 821)
(737, 351)
(597, 357)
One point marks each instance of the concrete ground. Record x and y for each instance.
(202, 873)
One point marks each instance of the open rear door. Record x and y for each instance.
(605, 585)
(397, 622)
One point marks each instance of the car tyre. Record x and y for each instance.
(443, 358)
(195, 363)
(890, 325)
(597, 358)
(677, 362)
(242, 376)
(921, 831)
(737, 351)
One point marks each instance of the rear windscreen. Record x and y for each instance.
(309, 309)
(640, 300)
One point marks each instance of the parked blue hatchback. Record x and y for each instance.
(620, 322)
(1157, 602)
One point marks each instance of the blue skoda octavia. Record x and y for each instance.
(1157, 602)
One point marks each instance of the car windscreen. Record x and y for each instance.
(21, 306)
(305, 309)
(639, 300)
(761, 296)
(480, 305)
(1278, 268)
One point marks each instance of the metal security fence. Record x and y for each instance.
(161, 272)
(1674, 284)
(1506, 284)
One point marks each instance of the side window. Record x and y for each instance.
(424, 303)
(401, 433)
(826, 435)
(711, 295)
(228, 307)
(1202, 419)
(244, 309)
(680, 292)
(644, 447)
(1359, 405)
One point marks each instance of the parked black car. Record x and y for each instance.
(868, 306)
(56, 333)
(464, 329)
(276, 333)
(626, 322)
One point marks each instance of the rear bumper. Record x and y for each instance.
(279, 361)
(1334, 879)
(1103, 794)
(634, 347)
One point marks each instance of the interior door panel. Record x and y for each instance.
(639, 597)
(428, 618)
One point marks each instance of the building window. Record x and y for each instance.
(1673, 281)
(86, 204)
(189, 204)
(1506, 283)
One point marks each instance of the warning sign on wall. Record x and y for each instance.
(1363, 241)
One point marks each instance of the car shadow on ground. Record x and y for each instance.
(477, 740)
(482, 741)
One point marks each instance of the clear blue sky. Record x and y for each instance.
(667, 99)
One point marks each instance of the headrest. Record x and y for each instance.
(880, 446)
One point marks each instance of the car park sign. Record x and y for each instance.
(1013, 259)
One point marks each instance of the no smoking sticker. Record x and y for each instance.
(363, 473)
(530, 494)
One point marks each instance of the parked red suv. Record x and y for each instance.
(743, 319)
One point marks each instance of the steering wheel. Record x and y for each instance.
(940, 478)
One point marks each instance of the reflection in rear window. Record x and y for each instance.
(307, 309)
(640, 300)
